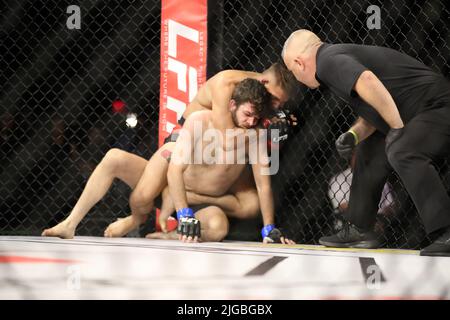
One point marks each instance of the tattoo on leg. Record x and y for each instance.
(166, 154)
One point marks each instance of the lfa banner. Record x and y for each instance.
(183, 58)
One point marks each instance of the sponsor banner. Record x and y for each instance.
(183, 58)
(183, 63)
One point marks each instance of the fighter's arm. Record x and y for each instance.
(260, 169)
(269, 232)
(265, 195)
(182, 156)
(259, 160)
(188, 226)
(178, 164)
(233, 77)
(221, 89)
(372, 91)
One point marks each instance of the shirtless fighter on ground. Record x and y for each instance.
(130, 168)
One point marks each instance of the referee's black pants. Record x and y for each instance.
(425, 138)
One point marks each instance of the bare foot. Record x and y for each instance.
(163, 236)
(62, 230)
(121, 227)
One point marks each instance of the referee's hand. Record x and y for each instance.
(345, 145)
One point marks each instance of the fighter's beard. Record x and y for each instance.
(235, 120)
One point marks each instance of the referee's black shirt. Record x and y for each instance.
(413, 86)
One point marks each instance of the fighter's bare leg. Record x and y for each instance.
(123, 226)
(150, 185)
(167, 208)
(172, 235)
(152, 181)
(242, 201)
(214, 224)
(244, 189)
(115, 164)
(242, 204)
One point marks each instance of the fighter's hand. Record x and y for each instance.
(162, 219)
(188, 229)
(274, 235)
(167, 208)
(293, 121)
(283, 122)
(345, 145)
(163, 223)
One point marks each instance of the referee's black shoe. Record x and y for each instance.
(440, 247)
(351, 236)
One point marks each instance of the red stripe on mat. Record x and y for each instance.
(21, 259)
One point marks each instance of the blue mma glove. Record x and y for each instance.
(188, 225)
(271, 234)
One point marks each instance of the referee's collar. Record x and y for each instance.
(323, 45)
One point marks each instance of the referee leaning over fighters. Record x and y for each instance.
(404, 124)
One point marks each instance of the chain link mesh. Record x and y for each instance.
(57, 90)
(58, 86)
(253, 38)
